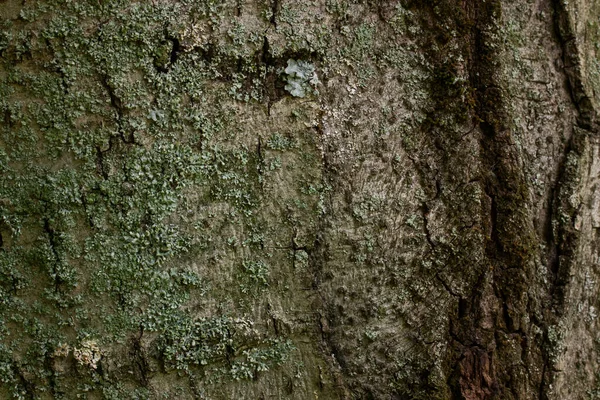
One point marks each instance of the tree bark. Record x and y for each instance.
(326, 199)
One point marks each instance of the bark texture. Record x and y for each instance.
(325, 199)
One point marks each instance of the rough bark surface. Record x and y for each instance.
(325, 199)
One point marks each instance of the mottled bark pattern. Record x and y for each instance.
(321, 199)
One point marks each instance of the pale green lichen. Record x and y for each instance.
(301, 78)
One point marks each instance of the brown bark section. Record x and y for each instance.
(499, 338)
(424, 226)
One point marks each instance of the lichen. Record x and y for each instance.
(301, 78)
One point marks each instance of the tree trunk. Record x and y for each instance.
(324, 199)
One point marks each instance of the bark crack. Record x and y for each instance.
(559, 235)
(54, 244)
(140, 359)
(275, 8)
(117, 105)
(572, 68)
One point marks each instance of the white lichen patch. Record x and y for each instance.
(88, 354)
(301, 78)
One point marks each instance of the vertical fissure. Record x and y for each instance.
(275, 6)
(53, 240)
(510, 244)
(560, 236)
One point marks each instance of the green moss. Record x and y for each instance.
(214, 341)
(124, 173)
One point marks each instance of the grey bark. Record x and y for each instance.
(326, 199)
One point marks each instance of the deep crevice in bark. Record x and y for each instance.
(175, 50)
(565, 32)
(53, 239)
(139, 359)
(510, 244)
(472, 356)
(275, 7)
(117, 105)
(560, 236)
